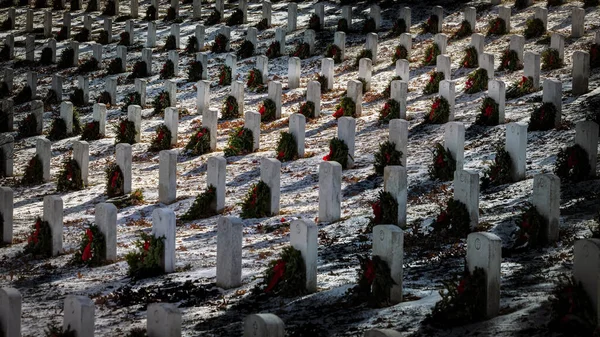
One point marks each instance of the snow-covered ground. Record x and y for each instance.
(527, 279)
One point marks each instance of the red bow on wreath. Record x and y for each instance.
(339, 113)
(280, 155)
(328, 156)
(35, 236)
(377, 211)
(370, 272)
(113, 181)
(278, 272)
(488, 111)
(87, 251)
(262, 110)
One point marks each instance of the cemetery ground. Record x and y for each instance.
(527, 278)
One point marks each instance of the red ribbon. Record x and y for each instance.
(278, 272)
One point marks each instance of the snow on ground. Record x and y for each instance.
(526, 278)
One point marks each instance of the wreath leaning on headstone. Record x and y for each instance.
(461, 303)
(91, 131)
(139, 70)
(453, 222)
(39, 242)
(443, 165)
(161, 102)
(168, 70)
(69, 178)
(334, 52)
(246, 50)
(470, 60)
(27, 127)
(363, 54)
(114, 181)
(302, 51)
(387, 156)
(145, 262)
(346, 107)
(262, 25)
(433, 84)
(240, 142)
(534, 28)
(104, 98)
(431, 54)
(192, 46)
(476, 81)
(274, 50)
(389, 111)
(431, 25)
(287, 148)
(387, 92)
(530, 229)
(220, 44)
(399, 27)
(307, 109)
(133, 98)
(488, 113)
(573, 313)
(463, 31)
(572, 164)
(204, 206)
(439, 112)
(257, 203)
(255, 79)
(92, 248)
(195, 70)
(199, 142)
(213, 18)
(520, 88)
(499, 171)
(385, 211)
(342, 26)
(374, 282)
(236, 18)
(285, 276)
(338, 152)
(551, 59)
(23, 96)
(497, 26)
(230, 109)
(34, 172)
(400, 53)
(267, 111)
(510, 61)
(125, 132)
(224, 75)
(161, 140)
(542, 117)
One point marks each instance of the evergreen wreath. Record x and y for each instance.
(170, 43)
(66, 58)
(551, 60)
(534, 28)
(91, 131)
(470, 60)
(136, 198)
(521, 4)
(443, 164)
(132, 98)
(34, 172)
(255, 79)
(439, 112)
(145, 262)
(50, 98)
(54, 330)
(62, 34)
(161, 140)
(109, 8)
(542, 117)
(257, 203)
(69, 178)
(453, 222)
(510, 61)
(390, 110)
(195, 70)
(431, 25)
(236, 18)
(572, 164)
(199, 142)
(151, 13)
(240, 142)
(338, 152)
(220, 44)
(431, 54)
(88, 65)
(385, 211)
(125, 131)
(400, 53)
(168, 70)
(161, 102)
(314, 22)
(594, 55)
(499, 171)
(346, 107)
(287, 148)
(460, 304)
(388, 88)
(82, 36)
(171, 15)
(92, 6)
(285, 276)
(307, 109)
(124, 39)
(104, 98)
(463, 31)
(274, 50)
(267, 111)
(23, 96)
(58, 130)
(399, 27)
(224, 75)
(230, 109)
(334, 52)
(27, 127)
(323, 82)
(488, 113)
(139, 70)
(302, 51)
(520, 88)
(573, 313)
(5, 53)
(497, 27)
(115, 66)
(530, 226)
(363, 54)
(262, 25)
(92, 248)
(204, 205)
(213, 18)
(387, 156)
(46, 56)
(476, 81)
(374, 282)
(39, 242)
(246, 50)
(102, 37)
(192, 46)
(114, 181)
(433, 85)
(4, 92)
(342, 26)
(369, 26)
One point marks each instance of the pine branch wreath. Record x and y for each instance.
(338, 152)
(489, 113)
(572, 313)
(240, 142)
(224, 75)
(470, 60)
(363, 54)
(287, 148)
(387, 156)
(400, 53)
(342, 26)
(390, 110)
(374, 282)
(520, 88)
(439, 112)
(39, 242)
(114, 181)
(168, 70)
(551, 59)
(161, 102)
(254, 79)
(285, 276)
(399, 27)
(125, 132)
(213, 18)
(510, 61)
(314, 22)
(302, 51)
(34, 172)
(572, 164)
(69, 178)
(334, 52)
(230, 109)
(307, 109)
(220, 44)
(542, 117)
(267, 111)
(192, 46)
(385, 211)
(145, 262)
(139, 70)
(194, 73)
(236, 18)
(497, 26)
(27, 127)
(433, 85)
(346, 107)
(274, 50)
(534, 28)
(431, 54)
(204, 205)
(246, 50)
(476, 81)
(257, 203)
(92, 248)
(499, 171)
(133, 98)
(431, 25)
(161, 140)
(530, 233)
(453, 222)
(91, 131)
(199, 142)
(443, 165)
(387, 92)
(463, 31)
